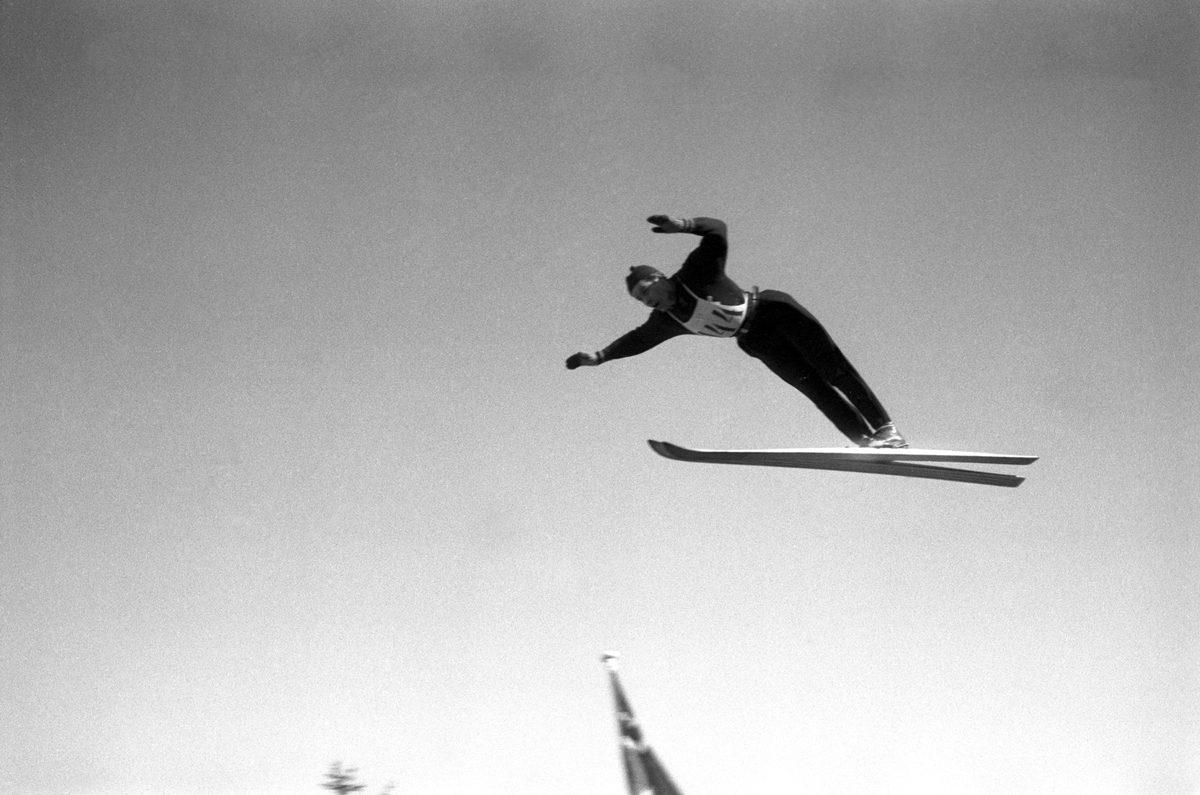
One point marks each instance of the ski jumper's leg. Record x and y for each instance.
(811, 342)
(781, 360)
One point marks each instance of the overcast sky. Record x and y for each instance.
(291, 470)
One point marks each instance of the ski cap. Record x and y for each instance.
(639, 273)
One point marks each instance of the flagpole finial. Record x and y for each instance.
(609, 658)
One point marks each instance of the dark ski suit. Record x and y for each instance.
(771, 326)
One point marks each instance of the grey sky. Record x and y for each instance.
(292, 471)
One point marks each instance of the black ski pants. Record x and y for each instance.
(789, 340)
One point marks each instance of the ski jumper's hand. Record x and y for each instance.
(582, 360)
(670, 224)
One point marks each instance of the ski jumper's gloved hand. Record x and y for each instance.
(670, 224)
(582, 360)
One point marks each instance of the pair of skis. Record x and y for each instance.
(908, 463)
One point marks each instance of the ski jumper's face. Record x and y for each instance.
(655, 292)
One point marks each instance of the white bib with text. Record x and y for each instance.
(713, 319)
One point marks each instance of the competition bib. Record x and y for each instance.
(711, 318)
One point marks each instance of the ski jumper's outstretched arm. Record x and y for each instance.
(657, 329)
(704, 263)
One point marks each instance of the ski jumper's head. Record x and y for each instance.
(648, 285)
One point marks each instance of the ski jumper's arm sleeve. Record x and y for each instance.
(708, 227)
(657, 329)
(706, 263)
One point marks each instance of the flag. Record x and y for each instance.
(644, 774)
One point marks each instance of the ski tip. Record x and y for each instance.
(662, 448)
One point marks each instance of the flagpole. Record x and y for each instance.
(644, 774)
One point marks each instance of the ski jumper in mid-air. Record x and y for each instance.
(769, 325)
